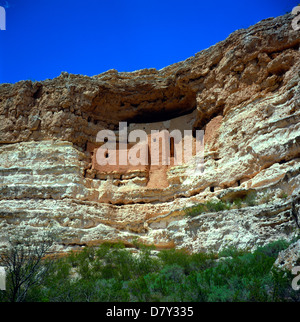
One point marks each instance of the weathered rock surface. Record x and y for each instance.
(244, 92)
(289, 258)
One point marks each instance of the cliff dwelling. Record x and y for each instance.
(155, 155)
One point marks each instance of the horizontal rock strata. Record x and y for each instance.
(243, 92)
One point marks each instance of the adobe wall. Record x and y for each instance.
(158, 168)
(114, 155)
(159, 150)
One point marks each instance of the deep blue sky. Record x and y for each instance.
(44, 38)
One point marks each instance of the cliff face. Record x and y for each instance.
(243, 92)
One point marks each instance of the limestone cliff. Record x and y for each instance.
(243, 92)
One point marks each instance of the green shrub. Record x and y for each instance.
(238, 203)
(283, 195)
(231, 251)
(272, 249)
(209, 206)
(251, 198)
(215, 206)
(111, 273)
(195, 210)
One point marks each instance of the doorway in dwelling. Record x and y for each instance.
(172, 152)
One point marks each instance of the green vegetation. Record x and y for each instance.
(249, 200)
(283, 195)
(111, 272)
(209, 206)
